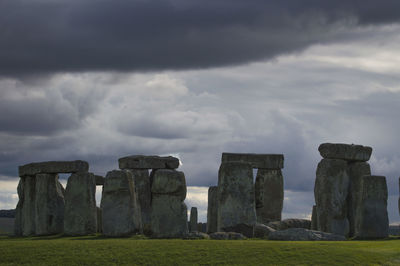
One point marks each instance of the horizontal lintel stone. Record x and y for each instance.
(348, 152)
(53, 167)
(148, 162)
(262, 161)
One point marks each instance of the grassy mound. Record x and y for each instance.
(100, 251)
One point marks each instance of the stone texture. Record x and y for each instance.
(345, 151)
(226, 236)
(269, 195)
(290, 223)
(148, 162)
(193, 220)
(212, 209)
(80, 205)
(196, 235)
(372, 218)
(99, 180)
(49, 205)
(356, 171)
(202, 227)
(53, 167)
(99, 220)
(25, 213)
(266, 161)
(330, 191)
(314, 218)
(167, 181)
(236, 204)
(141, 179)
(302, 234)
(262, 231)
(118, 203)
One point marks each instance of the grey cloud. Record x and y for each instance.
(47, 36)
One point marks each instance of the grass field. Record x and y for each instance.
(100, 251)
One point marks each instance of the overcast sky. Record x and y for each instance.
(98, 80)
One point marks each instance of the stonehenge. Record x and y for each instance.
(212, 209)
(193, 220)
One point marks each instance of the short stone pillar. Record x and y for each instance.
(193, 220)
(119, 205)
(236, 204)
(314, 218)
(372, 219)
(212, 209)
(80, 205)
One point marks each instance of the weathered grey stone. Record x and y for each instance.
(148, 162)
(212, 209)
(118, 203)
(372, 218)
(80, 216)
(302, 234)
(269, 195)
(262, 231)
(356, 171)
(193, 220)
(330, 191)
(170, 182)
(345, 151)
(196, 235)
(168, 216)
(266, 161)
(18, 210)
(226, 236)
(236, 204)
(202, 227)
(141, 179)
(290, 223)
(399, 196)
(99, 221)
(25, 213)
(314, 218)
(49, 205)
(99, 180)
(53, 167)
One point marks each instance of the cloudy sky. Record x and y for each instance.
(98, 80)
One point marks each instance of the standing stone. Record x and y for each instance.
(118, 204)
(269, 195)
(49, 205)
(80, 205)
(25, 215)
(356, 172)
(212, 210)
(399, 196)
(141, 179)
(18, 209)
(193, 219)
(314, 218)
(372, 217)
(236, 204)
(330, 191)
(99, 220)
(168, 211)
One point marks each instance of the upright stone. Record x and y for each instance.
(193, 219)
(269, 195)
(80, 205)
(212, 209)
(236, 204)
(148, 162)
(18, 210)
(265, 161)
(25, 211)
(49, 205)
(314, 218)
(330, 191)
(372, 218)
(118, 204)
(356, 171)
(99, 220)
(168, 211)
(345, 152)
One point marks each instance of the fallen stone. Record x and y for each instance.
(372, 218)
(212, 209)
(262, 231)
(49, 205)
(99, 180)
(302, 234)
(266, 161)
(53, 167)
(330, 192)
(356, 171)
(167, 181)
(227, 236)
(118, 203)
(290, 223)
(148, 162)
(196, 235)
(345, 152)
(193, 220)
(80, 216)
(314, 218)
(269, 195)
(236, 204)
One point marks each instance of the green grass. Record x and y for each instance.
(102, 251)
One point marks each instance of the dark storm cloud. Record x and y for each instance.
(49, 36)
